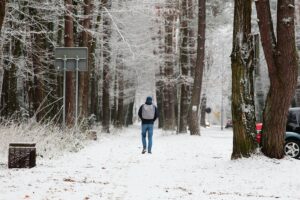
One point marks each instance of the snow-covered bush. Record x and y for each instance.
(51, 141)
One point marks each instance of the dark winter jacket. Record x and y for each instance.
(148, 121)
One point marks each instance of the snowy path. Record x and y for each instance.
(182, 167)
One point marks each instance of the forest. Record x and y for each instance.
(178, 52)
(220, 80)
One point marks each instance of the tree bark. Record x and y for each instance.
(129, 114)
(84, 76)
(192, 37)
(9, 97)
(168, 88)
(52, 75)
(297, 17)
(281, 58)
(203, 111)
(69, 42)
(9, 101)
(115, 97)
(159, 82)
(184, 86)
(194, 107)
(120, 110)
(94, 104)
(38, 48)
(2, 13)
(106, 66)
(242, 66)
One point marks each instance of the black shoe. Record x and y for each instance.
(150, 152)
(144, 151)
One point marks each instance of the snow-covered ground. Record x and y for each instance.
(181, 167)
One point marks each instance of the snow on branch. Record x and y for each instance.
(118, 30)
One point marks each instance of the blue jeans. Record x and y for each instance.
(145, 128)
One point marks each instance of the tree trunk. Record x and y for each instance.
(193, 112)
(94, 104)
(2, 13)
(297, 14)
(281, 58)
(120, 110)
(129, 114)
(52, 111)
(9, 101)
(38, 49)
(159, 82)
(184, 104)
(84, 76)
(242, 66)
(203, 111)
(9, 98)
(69, 42)
(2, 16)
(168, 88)
(115, 97)
(59, 78)
(159, 99)
(192, 37)
(106, 66)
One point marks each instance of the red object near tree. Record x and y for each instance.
(258, 132)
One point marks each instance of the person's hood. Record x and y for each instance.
(149, 100)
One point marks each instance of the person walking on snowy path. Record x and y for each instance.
(148, 114)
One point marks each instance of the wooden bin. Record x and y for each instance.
(21, 155)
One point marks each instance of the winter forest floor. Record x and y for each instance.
(181, 167)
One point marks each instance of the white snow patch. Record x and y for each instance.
(287, 20)
(291, 6)
(181, 167)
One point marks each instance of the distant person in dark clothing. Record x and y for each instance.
(148, 114)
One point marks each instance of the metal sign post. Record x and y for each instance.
(76, 96)
(64, 94)
(71, 59)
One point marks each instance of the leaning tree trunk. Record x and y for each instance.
(281, 58)
(243, 109)
(69, 42)
(184, 104)
(194, 107)
(106, 63)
